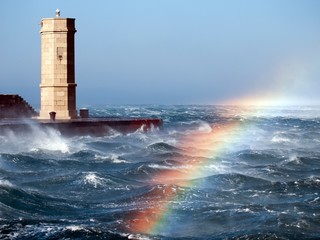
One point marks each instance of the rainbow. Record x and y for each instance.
(152, 218)
(283, 85)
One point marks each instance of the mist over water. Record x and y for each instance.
(263, 181)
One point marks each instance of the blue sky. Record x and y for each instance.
(172, 51)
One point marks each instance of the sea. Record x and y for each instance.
(210, 172)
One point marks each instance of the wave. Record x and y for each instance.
(37, 138)
(169, 166)
(19, 163)
(310, 184)
(76, 181)
(162, 147)
(104, 182)
(298, 159)
(229, 181)
(156, 193)
(167, 170)
(23, 203)
(95, 181)
(5, 183)
(83, 154)
(104, 146)
(260, 157)
(114, 158)
(29, 229)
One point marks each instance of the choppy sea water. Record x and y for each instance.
(211, 172)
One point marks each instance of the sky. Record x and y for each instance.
(172, 51)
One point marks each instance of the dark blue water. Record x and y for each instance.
(264, 184)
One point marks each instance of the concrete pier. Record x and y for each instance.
(81, 127)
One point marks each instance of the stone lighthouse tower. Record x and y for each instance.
(58, 87)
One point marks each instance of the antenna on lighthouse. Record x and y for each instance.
(58, 13)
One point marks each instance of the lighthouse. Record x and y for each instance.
(58, 93)
(58, 86)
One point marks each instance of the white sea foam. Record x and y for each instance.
(138, 237)
(115, 159)
(92, 179)
(157, 166)
(74, 228)
(279, 139)
(141, 129)
(172, 132)
(50, 140)
(216, 167)
(101, 157)
(244, 210)
(293, 158)
(38, 138)
(5, 183)
(315, 201)
(205, 127)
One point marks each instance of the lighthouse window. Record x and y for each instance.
(60, 53)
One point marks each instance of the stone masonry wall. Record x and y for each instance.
(14, 106)
(58, 87)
